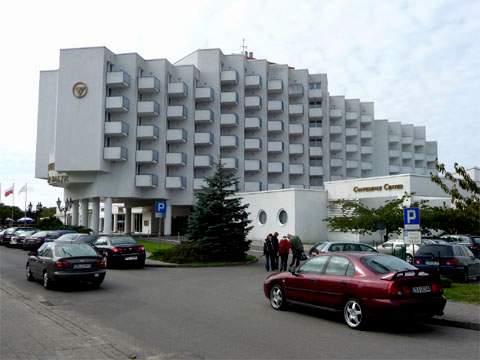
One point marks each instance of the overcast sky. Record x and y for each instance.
(419, 61)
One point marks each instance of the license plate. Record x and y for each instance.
(421, 289)
(131, 258)
(432, 263)
(82, 266)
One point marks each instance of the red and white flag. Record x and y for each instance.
(9, 190)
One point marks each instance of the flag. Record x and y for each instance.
(23, 189)
(9, 191)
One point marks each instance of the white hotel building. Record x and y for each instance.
(119, 129)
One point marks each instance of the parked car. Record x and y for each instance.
(60, 262)
(5, 240)
(120, 249)
(451, 260)
(17, 239)
(393, 247)
(78, 237)
(470, 241)
(343, 246)
(34, 241)
(55, 234)
(363, 286)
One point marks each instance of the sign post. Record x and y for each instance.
(411, 227)
(160, 208)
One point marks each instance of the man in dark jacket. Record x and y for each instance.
(297, 250)
(275, 251)
(268, 252)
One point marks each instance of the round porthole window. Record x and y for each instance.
(262, 217)
(282, 217)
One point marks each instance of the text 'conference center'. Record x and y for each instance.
(121, 129)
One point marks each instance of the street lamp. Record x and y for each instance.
(29, 207)
(39, 208)
(68, 205)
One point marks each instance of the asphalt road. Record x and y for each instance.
(222, 313)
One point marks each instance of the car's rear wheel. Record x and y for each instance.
(354, 315)
(29, 273)
(47, 282)
(466, 275)
(277, 298)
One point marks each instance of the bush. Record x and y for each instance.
(50, 223)
(445, 282)
(180, 254)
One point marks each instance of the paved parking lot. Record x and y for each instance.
(209, 313)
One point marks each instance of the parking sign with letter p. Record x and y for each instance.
(411, 218)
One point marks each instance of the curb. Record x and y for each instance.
(159, 264)
(454, 323)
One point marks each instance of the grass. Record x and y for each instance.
(152, 246)
(467, 293)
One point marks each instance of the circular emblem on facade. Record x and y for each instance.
(80, 89)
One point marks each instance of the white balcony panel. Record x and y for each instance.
(275, 147)
(351, 131)
(406, 155)
(352, 164)
(407, 139)
(229, 163)
(366, 134)
(275, 106)
(336, 113)
(204, 94)
(175, 182)
(203, 161)
(176, 112)
(115, 153)
(295, 109)
(203, 138)
(366, 119)
(295, 129)
(199, 183)
(394, 153)
(116, 128)
(316, 170)
(419, 142)
(203, 116)
(275, 126)
(295, 90)
(253, 165)
(146, 156)
(176, 135)
(394, 168)
(253, 102)
(253, 82)
(430, 157)
(295, 149)
(335, 129)
(316, 151)
(147, 132)
(296, 186)
(118, 80)
(148, 85)
(146, 181)
(228, 141)
(177, 89)
(419, 156)
(315, 132)
(176, 159)
(351, 148)
(393, 138)
(367, 166)
(351, 115)
(336, 162)
(114, 104)
(421, 171)
(148, 108)
(315, 93)
(228, 77)
(253, 123)
(253, 144)
(275, 186)
(229, 98)
(295, 169)
(251, 186)
(366, 149)
(407, 170)
(315, 113)
(227, 120)
(335, 145)
(275, 167)
(275, 86)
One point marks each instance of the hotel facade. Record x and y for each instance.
(119, 129)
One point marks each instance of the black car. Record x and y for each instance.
(451, 260)
(470, 241)
(60, 262)
(325, 247)
(78, 237)
(120, 249)
(34, 241)
(55, 234)
(8, 233)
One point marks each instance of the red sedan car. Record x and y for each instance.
(361, 285)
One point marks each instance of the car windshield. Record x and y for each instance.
(40, 234)
(72, 250)
(435, 251)
(476, 240)
(384, 264)
(118, 240)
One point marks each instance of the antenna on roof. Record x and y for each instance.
(243, 46)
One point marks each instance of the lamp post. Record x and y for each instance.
(39, 209)
(68, 205)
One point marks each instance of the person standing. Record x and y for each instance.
(297, 250)
(275, 251)
(268, 252)
(283, 250)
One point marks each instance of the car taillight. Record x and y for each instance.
(418, 261)
(100, 264)
(450, 262)
(62, 264)
(116, 250)
(436, 288)
(394, 290)
(141, 248)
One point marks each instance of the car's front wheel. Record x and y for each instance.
(277, 298)
(354, 315)
(28, 272)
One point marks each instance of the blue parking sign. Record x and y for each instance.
(160, 207)
(411, 218)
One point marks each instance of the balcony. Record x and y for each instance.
(315, 113)
(274, 186)
(115, 153)
(116, 104)
(419, 142)
(147, 132)
(177, 89)
(275, 86)
(176, 112)
(253, 82)
(351, 164)
(199, 183)
(406, 155)
(419, 156)
(367, 166)
(315, 132)
(203, 94)
(176, 159)
(295, 149)
(335, 129)
(316, 151)
(148, 108)
(366, 149)
(295, 110)
(336, 163)
(351, 131)
(253, 102)
(315, 94)
(116, 128)
(275, 106)
(176, 136)
(203, 138)
(229, 77)
(275, 147)
(253, 165)
(146, 157)
(336, 146)
(406, 139)
(228, 120)
(146, 181)
(229, 163)
(316, 171)
(366, 134)
(394, 153)
(253, 123)
(393, 138)
(351, 148)
(175, 182)
(118, 80)
(295, 169)
(295, 129)
(275, 126)
(351, 115)
(408, 170)
(251, 186)
(253, 144)
(394, 169)
(366, 119)
(336, 113)
(430, 157)
(228, 98)
(148, 85)
(295, 90)
(228, 141)
(275, 167)
(203, 116)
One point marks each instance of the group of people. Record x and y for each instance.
(273, 250)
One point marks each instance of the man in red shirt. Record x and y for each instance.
(283, 250)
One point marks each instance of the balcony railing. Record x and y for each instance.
(366, 134)
(336, 113)
(115, 153)
(295, 90)
(275, 186)
(315, 113)
(275, 126)
(203, 161)
(228, 98)
(275, 167)
(203, 94)
(175, 182)
(275, 147)
(229, 163)
(176, 159)
(336, 162)
(177, 112)
(116, 128)
(366, 149)
(177, 89)
(335, 145)
(203, 116)
(316, 151)
(146, 181)
(296, 169)
(228, 141)
(335, 129)
(253, 82)
(253, 165)
(316, 171)
(253, 123)
(352, 164)
(366, 119)
(227, 120)
(176, 136)
(118, 80)
(116, 104)
(351, 131)
(295, 129)
(275, 106)
(295, 149)
(203, 138)
(148, 85)
(251, 186)
(253, 144)
(253, 102)
(148, 108)
(275, 86)
(351, 115)
(147, 132)
(351, 148)
(315, 93)
(229, 77)
(295, 110)
(146, 156)
(199, 183)
(315, 132)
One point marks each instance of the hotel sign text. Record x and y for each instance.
(386, 187)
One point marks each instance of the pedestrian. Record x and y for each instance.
(275, 251)
(297, 251)
(283, 250)
(268, 252)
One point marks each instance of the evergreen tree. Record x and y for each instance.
(218, 225)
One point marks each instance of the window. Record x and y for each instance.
(314, 265)
(262, 217)
(315, 104)
(338, 265)
(351, 247)
(336, 247)
(366, 248)
(282, 217)
(315, 85)
(48, 252)
(436, 250)
(72, 250)
(383, 264)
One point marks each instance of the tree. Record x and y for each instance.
(218, 225)
(6, 213)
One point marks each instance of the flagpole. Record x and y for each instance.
(25, 208)
(13, 200)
